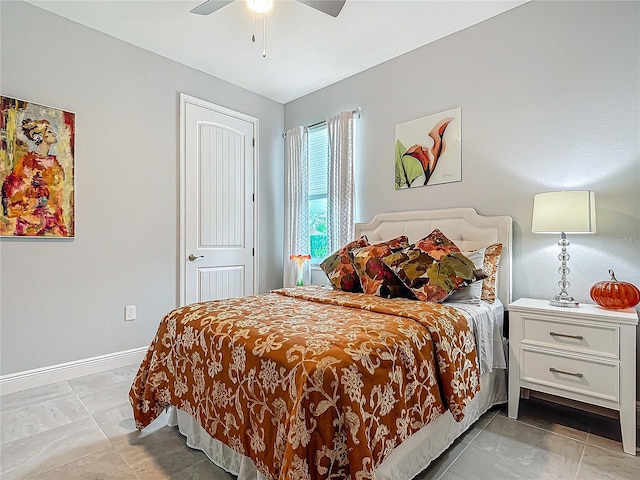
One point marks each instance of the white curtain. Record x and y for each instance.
(340, 204)
(296, 233)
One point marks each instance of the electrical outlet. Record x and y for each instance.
(129, 313)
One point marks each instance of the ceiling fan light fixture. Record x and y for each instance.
(260, 6)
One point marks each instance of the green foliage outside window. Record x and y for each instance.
(318, 236)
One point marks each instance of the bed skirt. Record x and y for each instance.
(409, 459)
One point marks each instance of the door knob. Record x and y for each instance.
(192, 257)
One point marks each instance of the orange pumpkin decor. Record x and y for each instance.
(615, 295)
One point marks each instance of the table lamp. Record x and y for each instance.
(564, 212)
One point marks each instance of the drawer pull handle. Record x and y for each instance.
(555, 334)
(555, 370)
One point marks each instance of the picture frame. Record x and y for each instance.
(434, 152)
(37, 170)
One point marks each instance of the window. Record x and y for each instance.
(318, 176)
(320, 186)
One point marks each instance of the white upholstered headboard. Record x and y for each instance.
(463, 226)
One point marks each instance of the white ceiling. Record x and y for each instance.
(306, 49)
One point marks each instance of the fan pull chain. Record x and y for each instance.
(264, 35)
(253, 37)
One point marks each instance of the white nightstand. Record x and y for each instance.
(586, 354)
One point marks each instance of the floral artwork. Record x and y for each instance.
(36, 170)
(429, 150)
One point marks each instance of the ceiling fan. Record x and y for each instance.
(330, 7)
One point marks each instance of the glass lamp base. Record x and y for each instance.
(563, 301)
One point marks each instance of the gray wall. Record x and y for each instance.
(63, 300)
(550, 97)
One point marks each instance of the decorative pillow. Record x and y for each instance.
(471, 294)
(375, 277)
(433, 268)
(339, 269)
(491, 263)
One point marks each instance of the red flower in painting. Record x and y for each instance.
(421, 154)
(428, 156)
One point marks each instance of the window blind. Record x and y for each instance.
(318, 161)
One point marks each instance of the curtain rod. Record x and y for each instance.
(356, 111)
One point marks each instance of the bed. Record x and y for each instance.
(363, 387)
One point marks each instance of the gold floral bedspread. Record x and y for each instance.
(310, 383)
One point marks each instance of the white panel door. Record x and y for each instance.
(218, 197)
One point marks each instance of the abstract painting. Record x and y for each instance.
(36, 170)
(429, 150)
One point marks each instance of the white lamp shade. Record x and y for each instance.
(565, 211)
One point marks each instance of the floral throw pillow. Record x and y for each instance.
(375, 277)
(339, 269)
(471, 294)
(491, 263)
(433, 268)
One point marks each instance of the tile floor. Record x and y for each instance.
(82, 429)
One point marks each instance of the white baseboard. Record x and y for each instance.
(16, 382)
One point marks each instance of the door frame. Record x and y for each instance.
(182, 249)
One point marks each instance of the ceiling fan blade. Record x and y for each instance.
(210, 6)
(330, 7)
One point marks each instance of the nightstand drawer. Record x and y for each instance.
(583, 376)
(574, 337)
